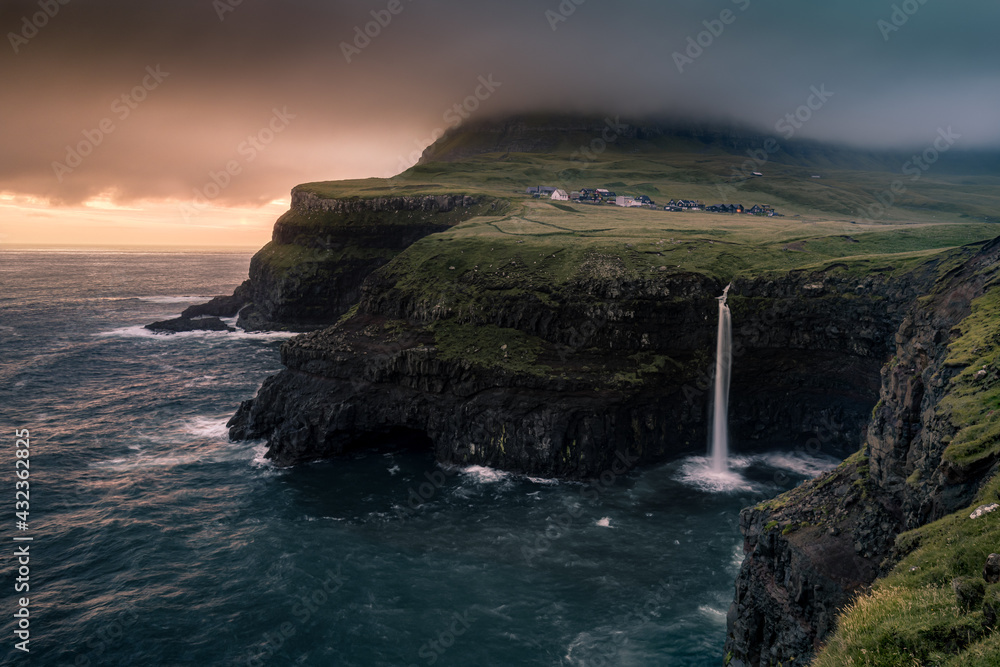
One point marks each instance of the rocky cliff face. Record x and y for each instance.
(606, 366)
(810, 551)
(560, 379)
(322, 250)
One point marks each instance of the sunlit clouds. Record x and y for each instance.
(158, 121)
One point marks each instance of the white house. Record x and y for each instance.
(626, 201)
(560, 195)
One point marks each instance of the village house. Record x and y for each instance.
(738, 209)
(605, 196)
(540, 190)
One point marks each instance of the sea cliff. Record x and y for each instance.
(498, 367)
(810, 552)
(555, 340)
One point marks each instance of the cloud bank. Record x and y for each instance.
(176, 101)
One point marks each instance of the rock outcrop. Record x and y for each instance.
(323, 249)
(561, 381)
(810, 551)
(182, 324)
(222, 306)
(626, 377)
(563, 378)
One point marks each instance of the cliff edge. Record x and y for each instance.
(813, 550)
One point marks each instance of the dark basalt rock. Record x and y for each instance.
(851, 528)
(222, 306)
(811, 354)
(347, 384)
(991, 571)
(180, 324)
(322, 250)
(807, 554)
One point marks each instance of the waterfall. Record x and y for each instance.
(720, 404)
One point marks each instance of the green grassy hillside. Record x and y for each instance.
(713, 166)
(540, 243)
(913, 616)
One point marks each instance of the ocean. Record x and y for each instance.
(156, 541)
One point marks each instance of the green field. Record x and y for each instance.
(822, 219)
(540, 243)
(537, 247)
(712, 166)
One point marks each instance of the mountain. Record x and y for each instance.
(555, 338)
(673, 156)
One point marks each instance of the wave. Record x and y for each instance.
(140, 331)
(259, 460)
(258, 335)
(797, 462)
(485, 475)
(207, 427)
(697, 471)
(200, 439)
(144, 461)
(229, 453)
(172, 299)
(738, 556)
(544, 480)
(714, 614)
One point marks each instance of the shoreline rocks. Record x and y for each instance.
(183, 324)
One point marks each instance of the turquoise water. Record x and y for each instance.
(159, 542)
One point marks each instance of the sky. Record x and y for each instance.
(188, 122)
